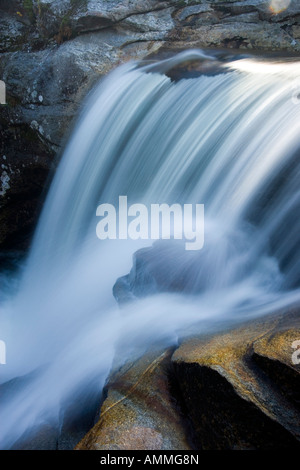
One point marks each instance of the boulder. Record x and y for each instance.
(164, 267)
(231, 390)
(240, 387)
(139, 411)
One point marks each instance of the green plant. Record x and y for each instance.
(29, 10)
(65, 30)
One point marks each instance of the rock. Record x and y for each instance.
(240, 388)
(167, 266)
(139, 411)
(233, 389)
(44, 438)
(154, 22)
(23, 175)
(164, 267)
(12, 33)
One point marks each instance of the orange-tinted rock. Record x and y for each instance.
(139, 412)
(237, 389)
(240, 387)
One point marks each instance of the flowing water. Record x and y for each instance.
(229, 140)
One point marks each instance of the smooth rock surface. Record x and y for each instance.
(240, 387)
(139, 411)
(236, 389)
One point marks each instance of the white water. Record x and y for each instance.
(230, 141)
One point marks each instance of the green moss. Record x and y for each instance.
(181, 3)
(65, 21)
(65, 31)
(29, 10)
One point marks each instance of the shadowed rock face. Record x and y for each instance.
(25, 166)
(233, 390)
(54, 52)
(179, 272)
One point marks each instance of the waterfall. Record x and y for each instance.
(229, 140)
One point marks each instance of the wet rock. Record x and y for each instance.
(24, 172)
(164, 267)
(272, 354)
(12, 32)
(240, 388)
(234, 389)
(139, 411)
(44, 438)
(239, 25)
(167, 266)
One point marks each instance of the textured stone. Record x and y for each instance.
(139, 411)
(240, 387)
(233, 389)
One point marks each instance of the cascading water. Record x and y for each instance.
(228, 140)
